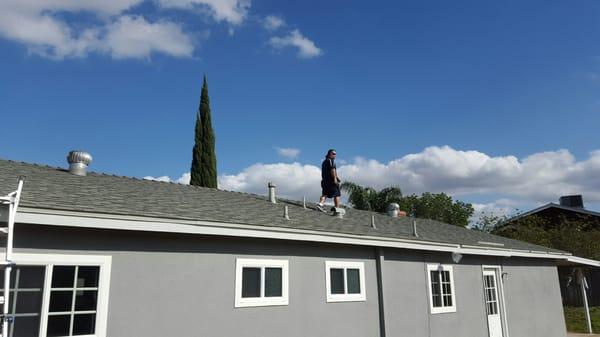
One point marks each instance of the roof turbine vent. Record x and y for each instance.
(393, 210)
(78, 162)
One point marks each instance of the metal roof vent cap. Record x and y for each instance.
(78, 162)
(393, 210)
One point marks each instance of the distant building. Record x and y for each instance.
(569, 208)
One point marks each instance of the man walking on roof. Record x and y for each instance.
(330, 182)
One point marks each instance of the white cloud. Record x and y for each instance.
(293, 180)
(166, 179)
(536, 179)
(232, 11)
(290, 153)
(273, 22)
(41, 27)
(184, 179)
(134, 37)
(306, 47)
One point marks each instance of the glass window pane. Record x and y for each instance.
(447, 300)
(29, 302)
(58, 325)
(63, 276)
(353, 281)
(85, 300)
(250, 282)
(26, 326)
(435, 289)
(87, 277)
(337, 280)
(31, 276)
(84, 324)
(445, 276)
(61, 300)
(273, 282)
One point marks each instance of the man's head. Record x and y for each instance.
(331, 153)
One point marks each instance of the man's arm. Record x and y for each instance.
(334, 175)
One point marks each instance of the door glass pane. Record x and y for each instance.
(30, 277)
(85, 300)
(337, 280)
(84, 324)
(63, 276)
(28, 302)
(250, 282)
(436, 295)
(353, 281)
(273, 282)
(26, 326)
(87, 277)
(26, 293)
(61, 300)
(58, 325)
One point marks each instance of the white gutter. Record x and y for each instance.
(148, 224)
(584, 261)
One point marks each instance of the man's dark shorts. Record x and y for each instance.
(330, 190)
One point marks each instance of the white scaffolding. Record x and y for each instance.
(12, 201)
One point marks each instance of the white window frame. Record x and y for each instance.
(361, 297)
(261, 301)
(49, 261)
(442, 309)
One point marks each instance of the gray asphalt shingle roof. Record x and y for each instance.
(54, 188)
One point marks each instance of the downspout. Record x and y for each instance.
(380, 293)
(582, 283)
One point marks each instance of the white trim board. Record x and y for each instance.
(148, 224)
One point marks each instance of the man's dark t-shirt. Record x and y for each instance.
(329, 186)
(326, 167)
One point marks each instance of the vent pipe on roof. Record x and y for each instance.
(272, 192)
(393, 210)
(78, 162)
(338, 212)
(415, 228)
(286, 213)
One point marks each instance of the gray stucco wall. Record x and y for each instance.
(533, 303)
(183, 285)
(533, 299)
(180, 286)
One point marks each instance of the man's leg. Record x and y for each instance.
(336, 201)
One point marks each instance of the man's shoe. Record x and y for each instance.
(321, 208)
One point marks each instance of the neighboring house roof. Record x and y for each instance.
(551, 205)
(55, 189)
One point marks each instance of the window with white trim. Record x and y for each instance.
(58, 295)
(345, 281)
(261, 282)
(441, 288)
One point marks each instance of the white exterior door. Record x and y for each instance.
(492, 306)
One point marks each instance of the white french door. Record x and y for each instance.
(492, 304)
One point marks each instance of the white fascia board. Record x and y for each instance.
(584, 261)
(148, 224)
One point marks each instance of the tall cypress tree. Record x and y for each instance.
(204, 159)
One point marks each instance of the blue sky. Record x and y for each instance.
(496, 103)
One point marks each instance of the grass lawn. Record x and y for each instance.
(575, 319)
